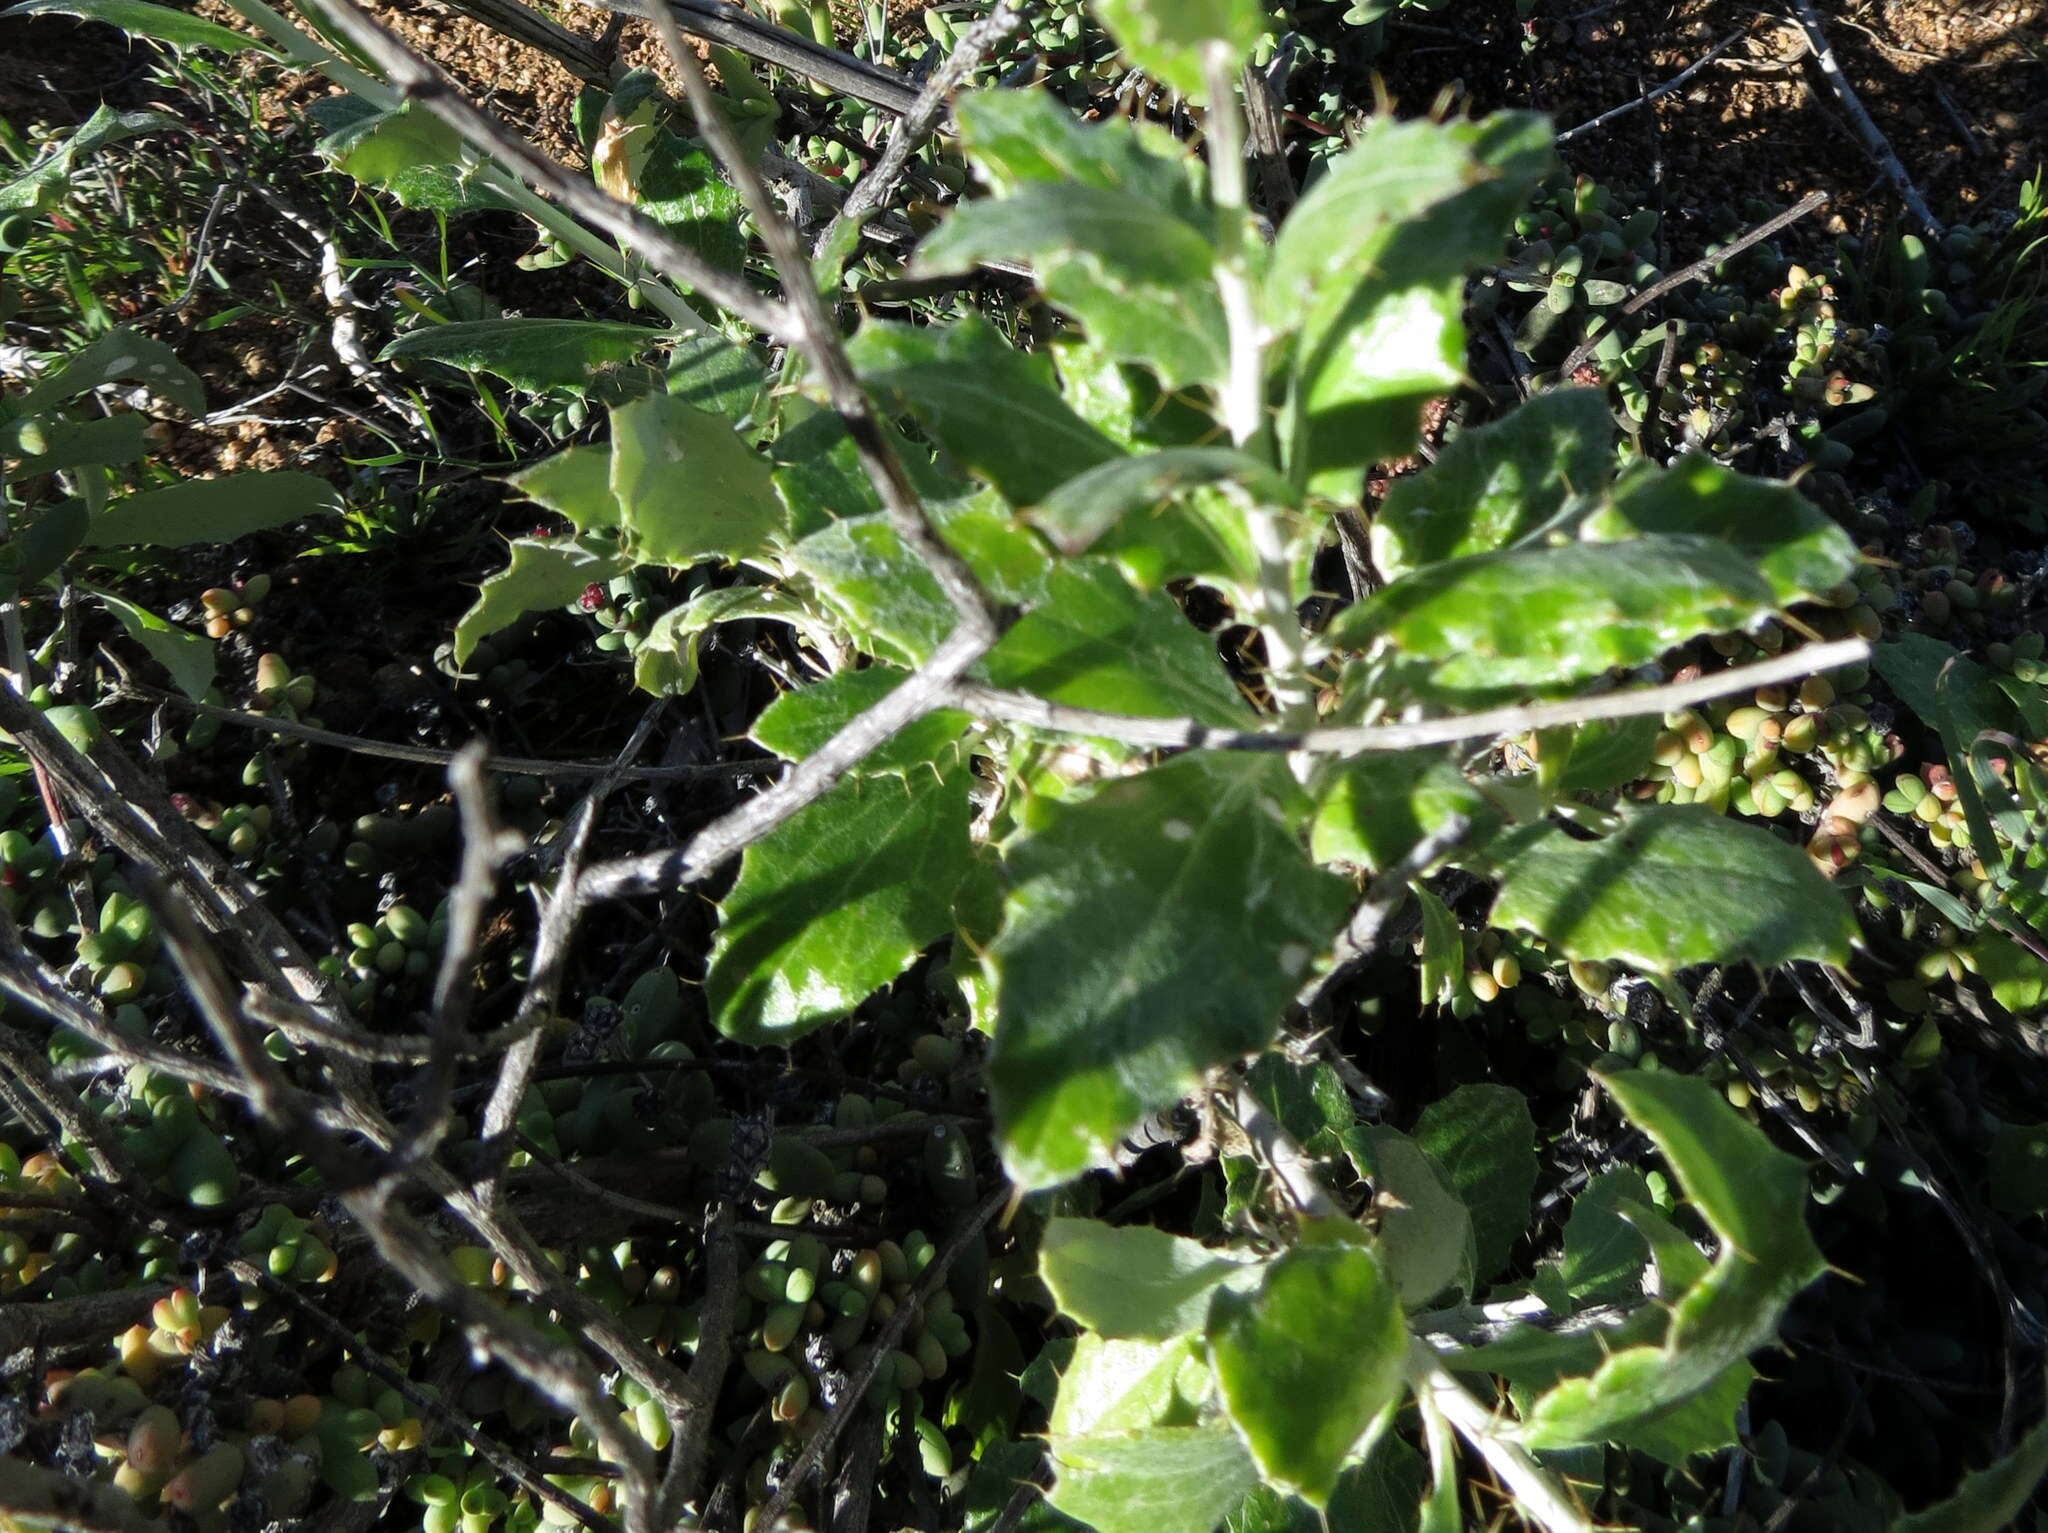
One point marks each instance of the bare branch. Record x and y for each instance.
(817, 332)
(1859, 117)
(1188, 734)
(1637, 302)
(809, 781)
(927, 113)
(1660, 91)
(888, 1340)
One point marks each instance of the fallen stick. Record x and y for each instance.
(1873, 140)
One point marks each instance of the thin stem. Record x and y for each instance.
(1244, 398)
(1539, 1495)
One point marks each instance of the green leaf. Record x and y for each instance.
(1425, 1234)
(689, 488)
(1443, 948)
(33, 554)
(1912, 666)
(1673, 887)
(2017, 979)
(1302, 1401)
(1113, 1385)
(680, 188)
(1169, 39)
(1017, 138)
(665, 662)
(818, 474)
(187, 656)
(1373, 810)
(1162, 1480)
(1085, 508)
(577, 484)
(68, 443)
(993, 408)
(1794, 544)
(532, 354)
(1605, 754)
(1134, 1280)
(836, 903)
(212, 510)
(889, 600)
(715, 373)
(410, 153)
(1604, 1253)
(1485, 1140)
(544, 573)
(1121, 237)
(1754, 1199)
(798, 722)
(43, 185)
(120, 356)
(1151, 932)
(1492, 484)
(1503, 625)
(1308, 1100)
(1369, 270)
(2017, 1169)
(1990, 1498)
(1097, 643)
(180, 29)
(1139, 280)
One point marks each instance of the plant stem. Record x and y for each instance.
(1244, 399)
(1539, 1495)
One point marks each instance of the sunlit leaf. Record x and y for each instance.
(1483, 1137)
(543, 573)
(798, 722)
(836, 902)
(1097, 643)
(575, 483)
(993, 408)
(1134, 1280)
(532, 354)
(1491, 484)
(689, 488)
(119, 356)
(1151, 932)
(212, 510)
(1754, 1198)
(1503, 625)
(187, 656)
(1169, 39)
(1368, 275)
(1673, 887)
(138, 18)
(1301, 1400)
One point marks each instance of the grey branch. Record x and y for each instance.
(418, 80)
(1874, 141)
(1188, 734)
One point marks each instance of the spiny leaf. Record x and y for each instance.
(1754, 1198)
(689, 488)
(543, 573)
